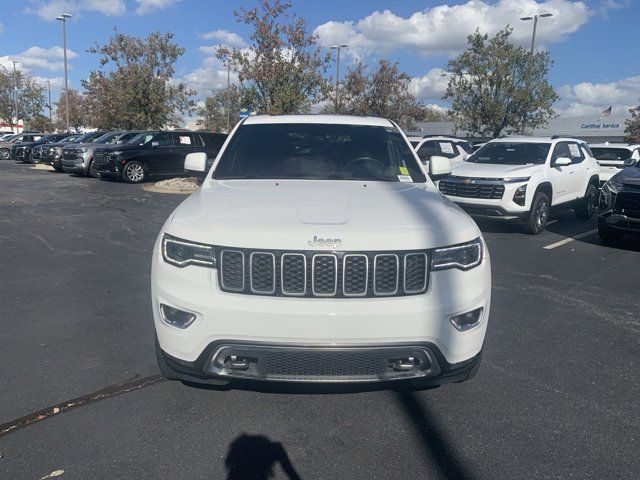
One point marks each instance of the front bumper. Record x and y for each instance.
(75, 165)
(318, 323)
(229, 360)
(620, 221)
(496, 207)
(106, 166)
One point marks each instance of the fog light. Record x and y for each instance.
(175, 317)
(467, 321)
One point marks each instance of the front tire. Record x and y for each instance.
(133, 172)
(539, 214)
(587, 205)
(92, 170)
(608, 234)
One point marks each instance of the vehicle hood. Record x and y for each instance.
(628, 176)
(288, 214)
(489, 170)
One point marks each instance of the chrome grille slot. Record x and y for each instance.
(263, 272)
(293, 271)
(232, 270)
(355, 276)
(385, 274)
(415, 272)
(324, 275)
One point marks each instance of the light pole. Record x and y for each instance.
(15, 93)
(228, 99)
(535, 26)
(63, 19)
(337, 100)
(49, 104)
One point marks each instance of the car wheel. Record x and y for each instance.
(133, 172)
(587, 206)
(607, 234)
(92, 171)
(4, 154)
(539, 214)
(58, 169)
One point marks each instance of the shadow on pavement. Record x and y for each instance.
(432, 439)
(255, 456)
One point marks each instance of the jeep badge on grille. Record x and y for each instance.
(325, 242)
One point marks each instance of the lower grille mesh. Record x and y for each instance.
(328, 365)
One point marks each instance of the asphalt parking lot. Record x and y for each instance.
(556, 395)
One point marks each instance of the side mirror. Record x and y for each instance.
(562, 162)
(196, 162)
(155, 144)
(439, 167)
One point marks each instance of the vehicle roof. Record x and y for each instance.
(330, 119)
(525, 139)
(630, 146)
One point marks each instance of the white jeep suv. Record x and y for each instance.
(524, 177)
(318, 250)
(614, 157)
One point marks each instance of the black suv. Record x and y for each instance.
(619, 209)
(155, 153)
(23, 151)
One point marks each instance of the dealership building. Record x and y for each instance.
(592, 130)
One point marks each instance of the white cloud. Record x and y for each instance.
(211, 75)
(432, 85)
(444, 29)
(38, 58)
(50, 9)
(225, 37)
(588, 98)
(150, 6)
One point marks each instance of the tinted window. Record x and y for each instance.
(163, 139)
(107, 138)
(318, 152)
(466, 146)
(502, 153)
(141, 139)
(183, 139)
(608, 153)
(427, 150)
(213, 139)
(443, 148)
(561, 150)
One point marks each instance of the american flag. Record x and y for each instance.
(607, 112)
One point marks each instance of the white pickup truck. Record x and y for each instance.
(317, 249)
(525, 177)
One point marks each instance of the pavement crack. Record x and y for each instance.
(66, 406)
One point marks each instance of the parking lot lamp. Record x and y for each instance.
(63, 19)
(49, 104)
(535, 26)
(337, 99)
(15, 94)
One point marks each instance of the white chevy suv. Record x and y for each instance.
(318, 250)
(614, 157)
(524, 177)
(455, 149)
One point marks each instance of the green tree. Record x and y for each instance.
(29, 94)
(381, 93)
(77, 111)
(221, 109)
(283, 68)
(41, 123)
(496, 87)
(133, 87)
(633, 125)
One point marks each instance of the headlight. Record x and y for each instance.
(607, 193)
(464, 257)
(181, 253)
(116, 153)
(516, 179)
(520, 195)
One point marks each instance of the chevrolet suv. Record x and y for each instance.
(317, 249)
(525, 177)
(455, 149)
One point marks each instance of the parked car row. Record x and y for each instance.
(132, 156)
(526, 177)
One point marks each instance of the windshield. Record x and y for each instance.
(310, 151)
(503, 153)
(141, 139)
(608, 153)
(70, 138)
(108, 138)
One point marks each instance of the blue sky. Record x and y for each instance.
(593, 42)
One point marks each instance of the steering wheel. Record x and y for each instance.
(365, 158)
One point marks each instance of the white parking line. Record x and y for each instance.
(570, 239)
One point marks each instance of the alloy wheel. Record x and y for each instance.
(135, 172)
(542, 213)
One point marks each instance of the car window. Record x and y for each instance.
(609, 153)
(213, 139)
(515, 153)
(414, 144)
(319, 152)
(466, 146)
(141, 139)
(561, 150)
(575, 151)
(427, 150)
(183, 139)
(125, 137)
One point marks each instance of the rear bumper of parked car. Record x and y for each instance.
(317, 330)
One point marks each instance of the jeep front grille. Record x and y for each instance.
(322, 274)
(471, 187)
